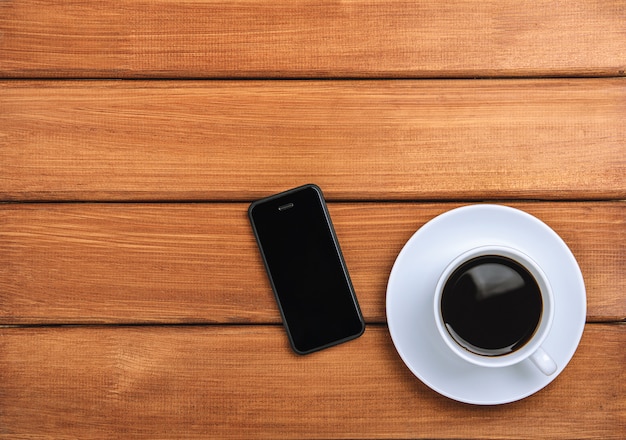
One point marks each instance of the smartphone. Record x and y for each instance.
(306, 269)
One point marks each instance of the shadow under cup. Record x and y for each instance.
(494, 307)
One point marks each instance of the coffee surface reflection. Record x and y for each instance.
(491, 305)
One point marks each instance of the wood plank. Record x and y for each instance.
(312, 38)
(244, 382)
(546, 139)
(198, 263)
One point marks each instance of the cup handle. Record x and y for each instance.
(543, 361)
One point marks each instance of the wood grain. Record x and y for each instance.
(244, 382)
(198, 263)
(312, 38)
(125, 318)
(359, 140)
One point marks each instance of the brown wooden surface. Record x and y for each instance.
(243, 140)
(312, 38)
(133, 302)
(198, 263)
(135, 382)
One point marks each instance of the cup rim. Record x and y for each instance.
(541, 332)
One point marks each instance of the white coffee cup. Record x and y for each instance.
(494, 307)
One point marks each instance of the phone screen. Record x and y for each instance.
(306, 269)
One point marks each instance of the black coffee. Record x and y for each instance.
(491, 305)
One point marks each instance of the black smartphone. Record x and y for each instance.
(306, 269)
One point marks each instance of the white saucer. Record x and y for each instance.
(412, 284)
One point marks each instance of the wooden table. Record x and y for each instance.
(134, 134)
